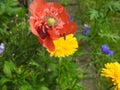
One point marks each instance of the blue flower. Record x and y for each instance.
(2, 48)
(111, 53)
(71, 19)
(86, 30)
(106, 50)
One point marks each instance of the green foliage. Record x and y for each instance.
(26, 65)
(69, 74)
(110, 36)
(94, 14)
(112, 5)
(64, 2)
(8, 11)
(8, 68)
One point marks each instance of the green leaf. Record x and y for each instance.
(43, 88)
(94, 14)
(8, 68)
(112, 36)
(64, 2)
(24, 87)
(4, 80)
(11, 2)
(2, 8)
(12, 66)
(52, 66)
(4, 87)
(32, 62)
(112, 5)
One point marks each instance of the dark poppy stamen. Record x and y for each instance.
(42, 34)
(64, 35)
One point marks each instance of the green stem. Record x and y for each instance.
(59, 72)
(104, 18)
(60, 61)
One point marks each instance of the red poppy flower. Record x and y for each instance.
(49, 21)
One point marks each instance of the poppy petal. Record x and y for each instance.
(47, 43)
(72, 27)
(54, 34)
(32, 26)
(68, 28)
(62, 14)
(36, 6)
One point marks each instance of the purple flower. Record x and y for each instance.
(111, 53)
(71, 19)
(84, 33)
(106, 50)
(2, 48)
(86, 30)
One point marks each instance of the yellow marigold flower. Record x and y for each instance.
(112, 71)
(65, 46)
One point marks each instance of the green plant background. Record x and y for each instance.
(26, 65)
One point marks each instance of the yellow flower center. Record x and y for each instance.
(51, 21)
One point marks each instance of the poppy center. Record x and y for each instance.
(51, 21)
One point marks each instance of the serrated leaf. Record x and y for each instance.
(94, 14)
(114, 37)
(112, 5)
